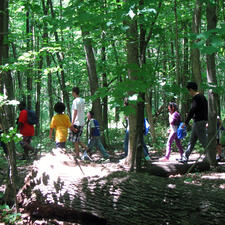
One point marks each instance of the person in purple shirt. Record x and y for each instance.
(174, 120)
(199, 113)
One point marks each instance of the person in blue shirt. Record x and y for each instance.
(94, 136)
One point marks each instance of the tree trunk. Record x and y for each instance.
(56, 188)
(184, 78)
(92, 73)
(144, 40)
(105, 99)
(19, 77)
(133, 67)
(45, 39)
(195, 52)
(119, 79)
(7, 118)
(212, 82)
(28, 71)
(38, 94)
(177, 50)
(148, 97)
(62, 72)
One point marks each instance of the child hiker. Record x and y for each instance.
(60, 122)
(94, 136)
(174, 120)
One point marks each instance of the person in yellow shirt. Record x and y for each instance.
(60, 122)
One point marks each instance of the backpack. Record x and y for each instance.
(32, 117)
(146, 126)
(96, 128)
(181, 132)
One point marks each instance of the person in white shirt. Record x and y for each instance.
(78, 120)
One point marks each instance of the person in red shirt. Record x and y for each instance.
(26, 129)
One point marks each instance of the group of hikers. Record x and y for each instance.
(61, 124)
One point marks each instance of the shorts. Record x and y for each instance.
(26, 141)
(75, 137)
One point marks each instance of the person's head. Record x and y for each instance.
(59, 107)
(75, 91)
(22, 106)
(172, 107)
(125, 102)
(90, 115)
(192, 88)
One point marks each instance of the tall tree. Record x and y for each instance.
(60, 58)
(48, 60)
(6, 111)
(29, 48)
(195, 52)
(133, 69)
(145, 37)
(92, 73)
(212, 82)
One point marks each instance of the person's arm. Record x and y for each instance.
(73, 129)
(50, 133)
(92, 132)
(22, 119)
(92, 127)
(20, 125)
(191, 112)
(74, 115)
(175, 119)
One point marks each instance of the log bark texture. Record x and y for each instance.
(56, 188)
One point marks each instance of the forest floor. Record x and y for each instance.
(212, 181)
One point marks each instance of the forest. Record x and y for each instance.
(141, 50)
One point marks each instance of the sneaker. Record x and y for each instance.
(184, 161)
(85, 156)
(218, 158)
(164, 159)
(106, 161)
(178, 159)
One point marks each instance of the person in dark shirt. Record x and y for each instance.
(199, 113)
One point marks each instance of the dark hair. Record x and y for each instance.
(76, 90)
(91, 113)
(174, 105)
(192, 85)
(22, 105)
(59, 107)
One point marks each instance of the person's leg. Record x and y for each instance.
(91, 144)
(83, 145)
(76, 147)
(126, 139)
(73, 137)
(25, 143)
(218, 151)
(169, 143)
(191, 143)
(201, 132)
(60, 144)
(145, 149)
(100, 146)
(77, 140)
(179, 146)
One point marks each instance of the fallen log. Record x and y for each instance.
(166, 169)
(56, 188)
